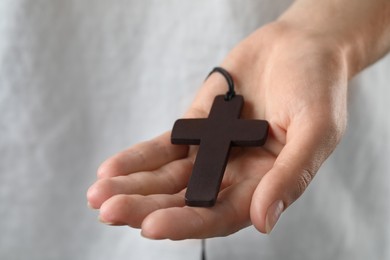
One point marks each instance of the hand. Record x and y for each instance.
(295, 81)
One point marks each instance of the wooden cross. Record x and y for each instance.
(215, 135)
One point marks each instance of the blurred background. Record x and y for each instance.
(82, 80)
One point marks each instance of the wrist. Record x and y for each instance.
(360, 30)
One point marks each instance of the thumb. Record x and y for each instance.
(305, 150)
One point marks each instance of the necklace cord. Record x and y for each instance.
(203, 252)
(229, 79)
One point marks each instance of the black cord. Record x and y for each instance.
(203, 253)
(231, 93)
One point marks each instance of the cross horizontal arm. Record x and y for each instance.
(249, 132)
(188, 131)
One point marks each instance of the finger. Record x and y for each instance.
(132, 209)
(230, 214)
(306, 149)
(169, 179)
(145, 156)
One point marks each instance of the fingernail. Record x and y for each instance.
(89, 205)
(104, 222)
(273, 214)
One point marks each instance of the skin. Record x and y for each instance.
(293, 73)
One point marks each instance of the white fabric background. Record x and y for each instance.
(81, 80)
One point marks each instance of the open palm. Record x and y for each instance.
(296, 82)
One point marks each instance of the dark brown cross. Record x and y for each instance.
(215, 135)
